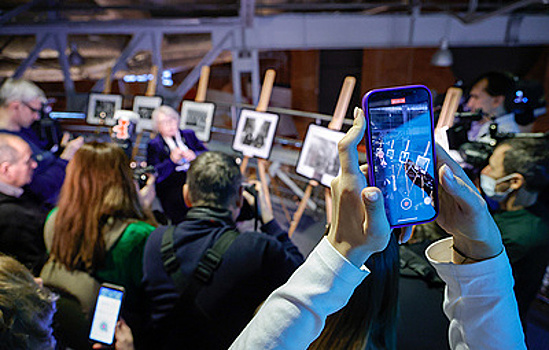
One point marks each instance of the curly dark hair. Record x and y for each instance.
(530, 158)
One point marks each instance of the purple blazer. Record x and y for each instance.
(158, 153)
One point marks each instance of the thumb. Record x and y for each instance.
(376, 219)
(457, 188)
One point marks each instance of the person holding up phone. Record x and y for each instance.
(480, 302)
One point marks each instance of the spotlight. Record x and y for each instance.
(443, 56)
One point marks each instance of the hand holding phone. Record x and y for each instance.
(401, 152)
(106, 313)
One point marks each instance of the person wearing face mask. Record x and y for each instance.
(517, 173)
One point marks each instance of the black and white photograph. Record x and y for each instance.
(255, 133)
(101, 108)
(145, 106)
(318, 159)
(198, 116)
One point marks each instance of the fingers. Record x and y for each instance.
(347, 146)
(405, 234)
(464, 194)
(376, 218)
(77, 142)
(444, 158)
(151, 180)
(65, 139)
(249, 197)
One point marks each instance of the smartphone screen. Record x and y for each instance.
(401, 152)
(105, 316)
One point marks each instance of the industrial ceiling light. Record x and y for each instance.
(443, 57)
(75, 58)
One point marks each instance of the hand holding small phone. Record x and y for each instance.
(106, 314)
(401, 152)
(123, 335)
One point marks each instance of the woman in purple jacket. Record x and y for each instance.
(170, 152)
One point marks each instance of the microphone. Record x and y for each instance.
(476, 115)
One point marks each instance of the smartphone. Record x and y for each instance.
(107, 311)
(401, 152)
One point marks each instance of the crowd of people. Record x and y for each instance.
(73, 219)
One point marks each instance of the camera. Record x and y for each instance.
(249, 211)
(141, 173)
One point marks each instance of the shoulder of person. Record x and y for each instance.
(189, 133)
(140, 228)
(155, 140)
(258, 239)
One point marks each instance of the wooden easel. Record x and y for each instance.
(335, 124)
(264, 99)
(446, 118)
(151, 90)
(106, 91)
(202, 84)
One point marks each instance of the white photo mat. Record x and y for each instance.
(319, 158)
(101, 108)
(198, 116)
(144, 106)
(255, 133)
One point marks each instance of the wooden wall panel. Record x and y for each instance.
(304, 81)
(392, 67)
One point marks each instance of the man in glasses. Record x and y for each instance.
(21, 102)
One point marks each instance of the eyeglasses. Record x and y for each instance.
(34, 110)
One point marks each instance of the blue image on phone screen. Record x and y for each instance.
(402, 153)
(109, 302)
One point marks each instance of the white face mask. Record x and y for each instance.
(489, 184)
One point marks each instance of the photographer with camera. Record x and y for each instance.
(488, 95)
(517, 173)
(203, 277)
(21, 103)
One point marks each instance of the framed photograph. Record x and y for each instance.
(319, 159)
(255, 133)
(144, 106)
(101, 108)
(198, 116)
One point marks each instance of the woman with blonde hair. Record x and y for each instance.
(98, 231)
(171, 152)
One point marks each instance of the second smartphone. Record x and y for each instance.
(401, 152)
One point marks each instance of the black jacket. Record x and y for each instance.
(253, 266)
(22, 230)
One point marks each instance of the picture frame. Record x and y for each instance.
(255, 133)
(319, 158)
(198, 116)
(144, 107)
(101, 108)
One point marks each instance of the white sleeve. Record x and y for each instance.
(479, 301)
(293, 316)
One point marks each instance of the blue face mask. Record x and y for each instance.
(489, 184)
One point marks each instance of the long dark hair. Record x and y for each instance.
(98, 185)
(368, 321)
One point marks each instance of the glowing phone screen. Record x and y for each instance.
(105, 316)
(401, 150)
